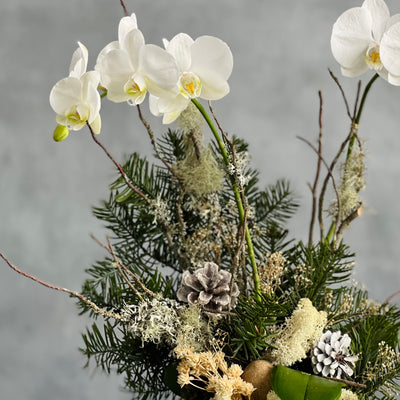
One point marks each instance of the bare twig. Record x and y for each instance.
(317, 174)
(330, 174)
(349, 383)
(152, 139)
(347, 221)
(123, 269)
(124, 8)
(100, 311)
(353, 131)
(391, 297)
(121, 171)
(343, 94)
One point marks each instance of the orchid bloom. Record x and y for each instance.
(75, 99)
(390, 50)
(129, 68)
(205, 64)
(356, 38)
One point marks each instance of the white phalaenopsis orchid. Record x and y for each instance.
(390, 51)
(357, 35)
(205, 64)
(129, 68)
(75, 99)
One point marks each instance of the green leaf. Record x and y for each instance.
(289, 384)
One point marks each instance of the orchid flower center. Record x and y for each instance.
(190, 85)
(136, 89)
(372, 58)
(76, 117)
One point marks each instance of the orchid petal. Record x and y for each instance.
(79, 61)
(179, 47)
(96, 125)
(390, 52)
(64, 94)
(159, 67)
(211, 55)
(132, 44)
(126, 24)
(213, 87)
(380, 14)
(115, 71)
(111, 46)
(351, 38)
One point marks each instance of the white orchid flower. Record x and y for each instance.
(75, 99)
(356, 38)
(129, 68)
(205, 65)
(390, 50)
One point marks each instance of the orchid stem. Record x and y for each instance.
(239, 203)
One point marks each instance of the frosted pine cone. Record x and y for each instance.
(209, 287)
(331, 356)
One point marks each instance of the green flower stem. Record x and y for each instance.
(354, 129)
(239, 203)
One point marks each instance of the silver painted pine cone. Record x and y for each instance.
(331, 355)
(208, 287)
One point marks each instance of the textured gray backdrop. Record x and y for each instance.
(281, 54)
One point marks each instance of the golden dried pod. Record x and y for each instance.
(259, 374)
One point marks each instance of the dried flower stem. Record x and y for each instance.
(238, 198)
(93, 306)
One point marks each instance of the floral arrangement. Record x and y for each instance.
(202, 292)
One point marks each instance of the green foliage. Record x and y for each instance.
(312, 270)
(175, 229)
(115, 350)
(250, 327)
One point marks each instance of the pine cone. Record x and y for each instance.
(331, 356)
(209, 287)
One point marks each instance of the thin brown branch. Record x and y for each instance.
(124, 8)
(118, 264)
(347, 221)
(152, 139)
(93, 306)
(342, 92)
(317, 174)
(349, 383)
(123, 269)
(391, 297)
(121, 171)
(330, 174)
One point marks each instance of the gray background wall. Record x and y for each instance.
(281, 54)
